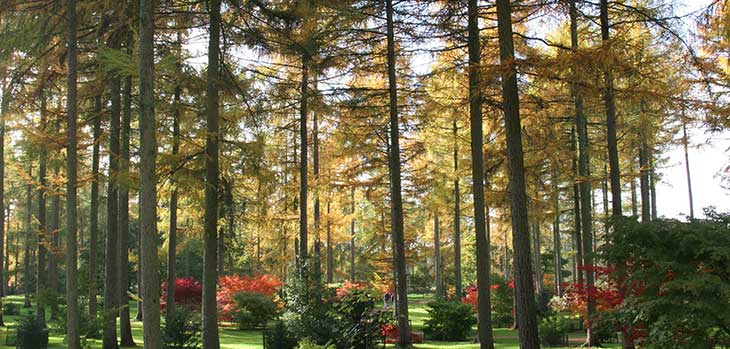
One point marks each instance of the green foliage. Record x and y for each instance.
(253, 310)
(11, 308)
(678, 276)
(280, 337)
(30, 334)
(449, 320)
(307, 343)
(502, 303)
(553, 330)
(183, 330)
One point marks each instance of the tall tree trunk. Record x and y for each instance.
(644, 181)
(315, 173)
(330, 252)
(484, 306)
(352, 237)
(4, 257)
(557, 245)
(94, 207)
(41, 272)
(577, 239)
(148, 180)
(303, 243)
(584, 171)
(125, 326)
(27, 241)
(437, 258)
(536, 250)
(172, 233)
(55, 230)
(72, 292)
(652, 186)
(685, 143)
(457, 218)
(396, 200)
(111, 276)
(210, 273)
(634, 201)
(612, 141)
(524, 291)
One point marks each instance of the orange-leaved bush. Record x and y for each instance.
(231, 285)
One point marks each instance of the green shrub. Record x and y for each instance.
(30, 334)
(449, 321)
(307, 343)
(279, 337)
(11, 309)
(183, 330)
(502, 303)
(553, 330)
(253, 310)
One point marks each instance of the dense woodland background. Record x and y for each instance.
(426, 142)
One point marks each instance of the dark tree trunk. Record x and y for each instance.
(4, 257)
(330, 252)
(634, 201)
(53, 261)
(644, 181)
(396, 200)
(27, 287)
(315, 172)
(72, 294)
(41, 272)
(148, 179)
(536, 241)
(685, 143)
(94, 208)
(524, 291)
(484, 306)
(210, 272)
(557, 245)
(611, 139)
(577, 239)
(352, 237)
(437, 258)
(652, 186)
(125, 326)
(111, 276)
(172, 233)
(303, 110)
(457, 219)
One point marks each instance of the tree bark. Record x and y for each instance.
(612, 141)
(210, 272)
(396, 200)
(644, 181)
(484, 311)
(172, 233)
(41, 274)
(685, 143)
(557, 244)
(148, 180)
(457, 219)
(437, 258)
(524, 291)
(125, 326)
(27, 240)
(303, 243)
(111, 276)
(94, 208)
(652, 186)
(4, 257)
(330, 252)
(72, 295)
(352, 237)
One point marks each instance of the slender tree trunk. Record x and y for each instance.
(41, 272)
(72, 293)
(644, 181)
(577, 240)
(148, 180)
(315, 172)
(27, 241)
(4, 257)
(125, 326)
(210, 273)
(557, 245)
(437, 258)
(396, 200)
(652, 186)
(457, 218)
(484, 306)
(685, 143)
(352, 237)
(111, 276)
(634, 201)
(536, 241)
(303, 110)
(94, 208)
(330, 252)
(524, 299)
(612, 141)
(172, 234)
(55, 230)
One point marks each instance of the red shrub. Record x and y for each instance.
(349, 286)
(390, 332)
(229, 286)
(188, 292)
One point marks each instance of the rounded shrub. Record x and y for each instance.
(449, 321)
(253, 310)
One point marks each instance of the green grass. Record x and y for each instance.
(231, 338)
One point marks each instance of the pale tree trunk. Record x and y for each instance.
(484, 328)
(125, 326)
(210, 258)
(94, 207)
(577, 239)
(524, 291)
(72, 293)
(27, 240)
(111, 267)
(330, 252)
(303, 243)
(685, 143)
(396, 200)
(41, 274)
(557, 244)
(148, 180)
(4, 257)
(536, 248)
(437, 258)
(352, 237)
(652, 185)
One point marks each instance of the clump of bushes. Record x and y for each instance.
(188, 292)
(182, 331)
(449, 321)
(553, 330)
(280, 337)
(11, 308)
(253, 310)
(30, 334)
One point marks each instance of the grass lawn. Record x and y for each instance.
(234, 339)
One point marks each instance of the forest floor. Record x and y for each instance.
(232, 338)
